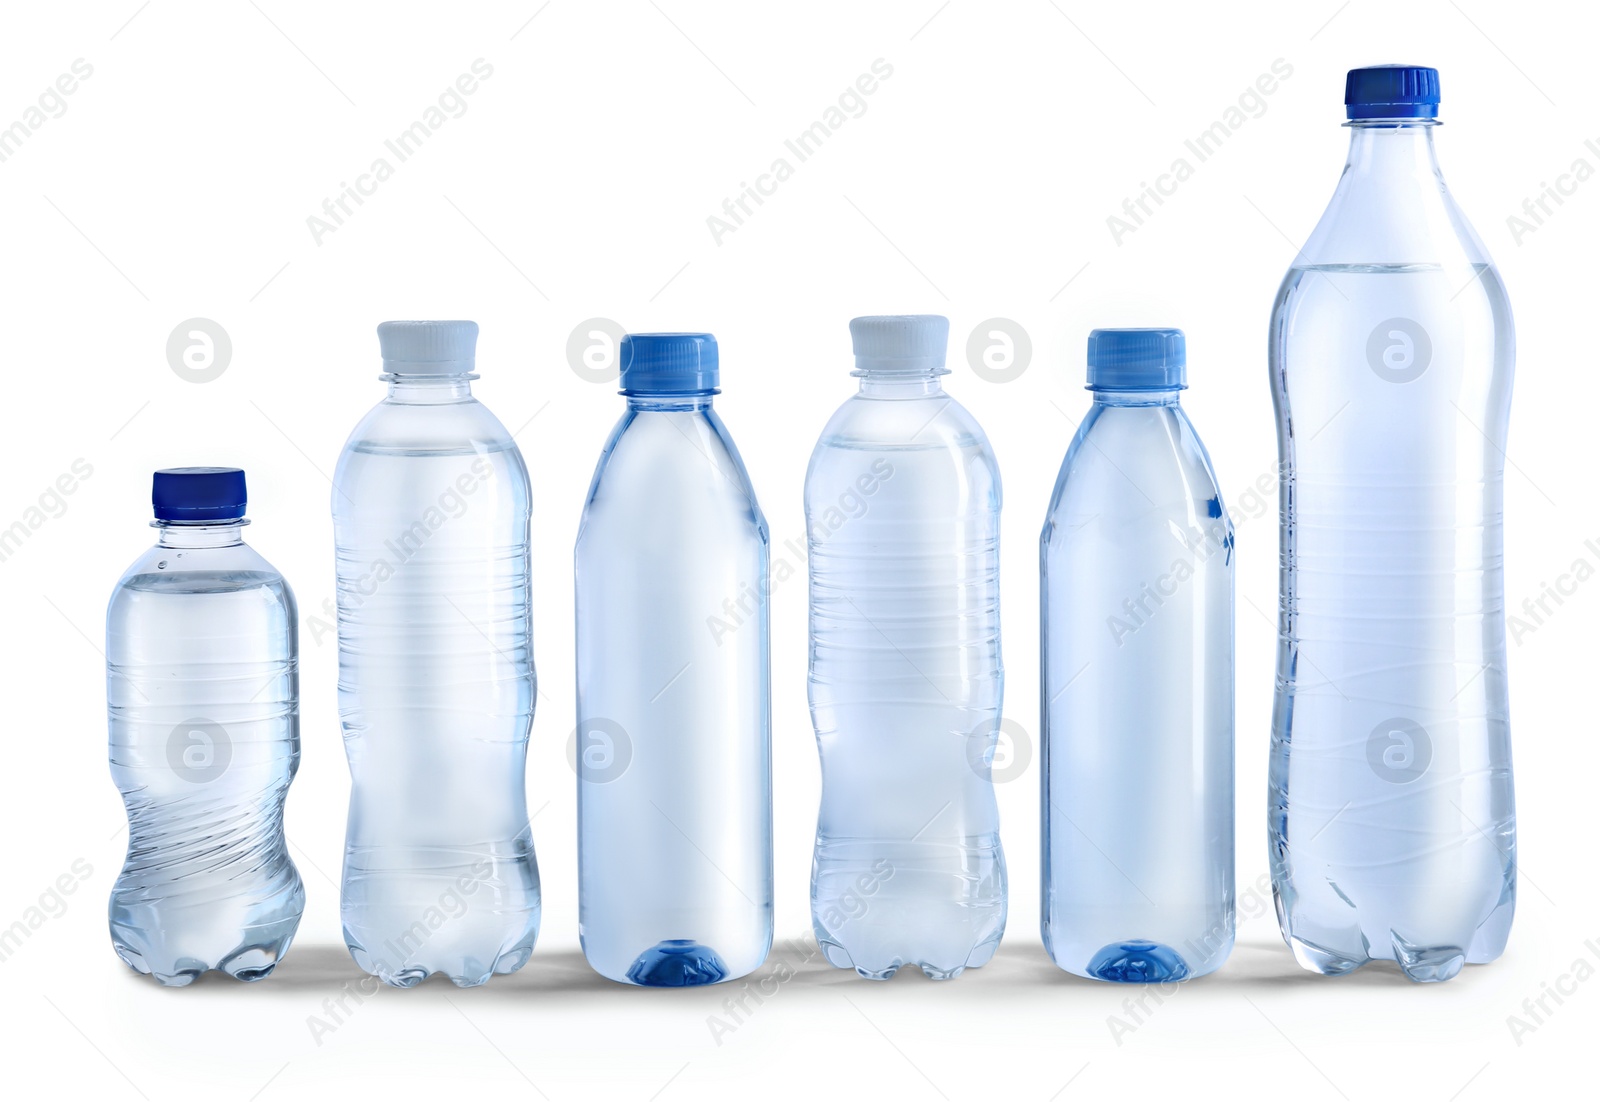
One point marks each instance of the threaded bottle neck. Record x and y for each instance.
(1137, 397)
(429, 390)
(669, 403)
(188, 537)
(900, 384)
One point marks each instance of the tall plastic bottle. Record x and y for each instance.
(202, 694)
(1391, 351)
(902, 503)
(436, 683)
(1136, 688)
(673, 742)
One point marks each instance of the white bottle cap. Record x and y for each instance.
(428, 347)
(893, 343)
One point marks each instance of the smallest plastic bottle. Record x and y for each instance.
(203, 704)
(1136, 611)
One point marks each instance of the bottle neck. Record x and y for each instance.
(670, 403)
(1389, 151)
(902, 384)
(191, 536)
(1136, 397)
(429, 390)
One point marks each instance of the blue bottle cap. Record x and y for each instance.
(900, 343)
(1137, 359)
(198, 495)
(1392, 92)
(669, 363)
(428, 347)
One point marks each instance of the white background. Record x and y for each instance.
(577, 184)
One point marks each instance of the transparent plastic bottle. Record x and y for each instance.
(436, 682)
(673, 743)
(902, 505)
(1136, 611)
(202, 694)
(1391, 352)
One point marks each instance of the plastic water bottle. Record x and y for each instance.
(436, 685)
(902, 504)
(673, 744)
(202, 694)
(1391, 816)
(1136, 609)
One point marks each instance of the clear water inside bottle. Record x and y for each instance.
(902, 511)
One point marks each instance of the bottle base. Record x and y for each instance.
(677, 962)
(464, 973)
(247, 964)
(879, 905)
(1137, 961)
(888, 973)
(1419, 963)
(838, 956)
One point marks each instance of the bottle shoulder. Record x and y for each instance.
(419, 452)
(457, 427)
(1137, 460)
(912, 423)
(863, 428)
(201, 570)
(668, 441)
(1392, 207)
(665, 463)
